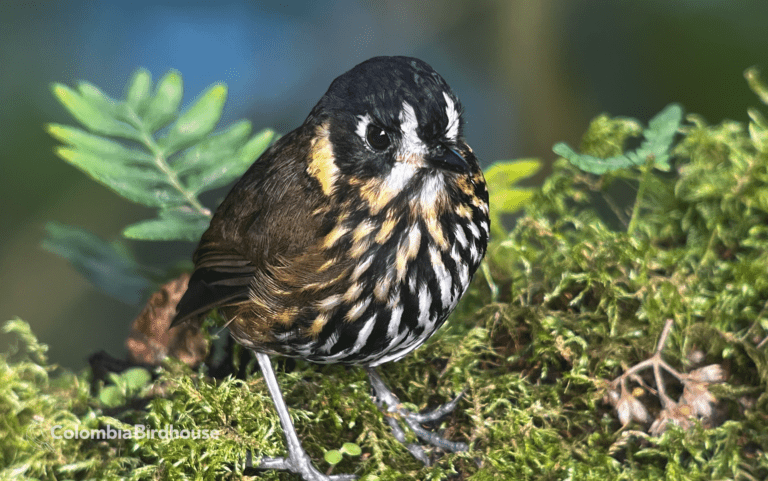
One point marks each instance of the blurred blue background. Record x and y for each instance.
(529, 73)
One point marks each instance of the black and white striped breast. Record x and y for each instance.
(411, 270)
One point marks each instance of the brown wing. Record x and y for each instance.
(262, 253)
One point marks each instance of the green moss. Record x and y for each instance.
(579, 298)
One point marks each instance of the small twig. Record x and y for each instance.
(656, 362)
(664, 335)
(643, 384)
(666, 401)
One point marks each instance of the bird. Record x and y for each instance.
(350, 240)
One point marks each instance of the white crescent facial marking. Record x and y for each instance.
(410, 144)
(362, 128)
(452, 131)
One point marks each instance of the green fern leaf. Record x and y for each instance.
(659, 137)
(168, 170)
(163, 106)
(181, 223)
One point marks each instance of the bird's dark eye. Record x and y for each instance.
(376, 137)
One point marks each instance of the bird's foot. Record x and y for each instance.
(297, 463)
(388, 404)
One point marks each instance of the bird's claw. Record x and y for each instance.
(388, 404)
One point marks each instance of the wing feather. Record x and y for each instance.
(262, 256)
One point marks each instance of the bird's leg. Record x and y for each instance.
(298, 460)
(388, 404)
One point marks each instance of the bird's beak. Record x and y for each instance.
(449, 160)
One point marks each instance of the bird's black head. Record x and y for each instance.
(389, 118)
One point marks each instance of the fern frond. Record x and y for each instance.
(143, 149)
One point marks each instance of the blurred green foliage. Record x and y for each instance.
(506, 199)
(108, 265)
(124, 385)
(572, 296)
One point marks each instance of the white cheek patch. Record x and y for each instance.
(411, 144)
(362, 128)
(433, 187)
(399, 176)
(452, 131)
